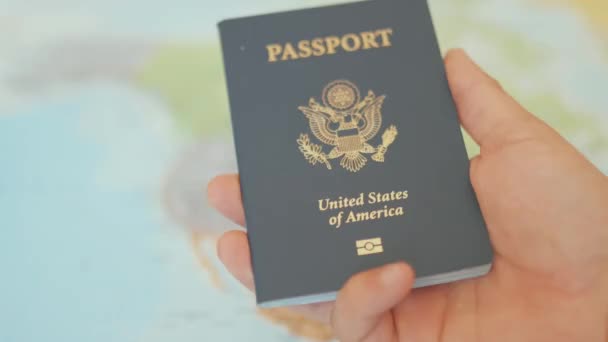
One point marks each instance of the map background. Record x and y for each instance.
(113, 116)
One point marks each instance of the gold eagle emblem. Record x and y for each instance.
(347, 123)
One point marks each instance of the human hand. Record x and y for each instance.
(546, 208)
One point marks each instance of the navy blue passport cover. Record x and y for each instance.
(349, 149)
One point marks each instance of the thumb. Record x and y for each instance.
(362, 311)
(486, 111)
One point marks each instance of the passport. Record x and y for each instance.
(349, 149)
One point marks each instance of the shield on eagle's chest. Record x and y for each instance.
(349, 140)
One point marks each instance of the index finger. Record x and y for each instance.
(224, 194)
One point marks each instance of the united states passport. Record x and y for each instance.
(349, 149)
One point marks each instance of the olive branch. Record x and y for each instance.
(312, 152)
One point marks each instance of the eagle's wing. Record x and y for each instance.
(373, 118)
(318, 125)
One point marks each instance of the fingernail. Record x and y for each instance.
(393, 274)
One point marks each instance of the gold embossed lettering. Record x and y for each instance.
(289, 52)
(332, 43)
(369, 40)
(351, 42)
(273, 51)
(304, 49)
(386, 36)
(318, 48)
